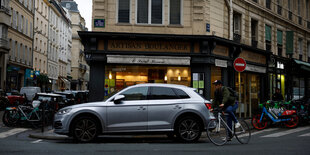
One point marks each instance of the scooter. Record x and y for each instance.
(271, 113)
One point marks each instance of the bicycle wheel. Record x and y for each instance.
(10, 117)
(217, 133)
(243, 133)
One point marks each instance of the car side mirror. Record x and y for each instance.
(118, 99)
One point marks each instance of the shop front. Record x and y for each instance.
(252, 83)
(122, 71)
(15, 77)
(277, 73)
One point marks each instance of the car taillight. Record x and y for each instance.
(208, 105)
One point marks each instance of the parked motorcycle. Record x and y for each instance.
(302, 107)
(275, 112)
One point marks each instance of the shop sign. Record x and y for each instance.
(149, 46)
(221, 50)
(254, 68)
(154, 60)
(253, 57)
(239, 64)
(220, 63)
(280, 65)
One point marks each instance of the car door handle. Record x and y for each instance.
(141, 108)
(177, 107)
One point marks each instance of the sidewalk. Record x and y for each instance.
(50, 135)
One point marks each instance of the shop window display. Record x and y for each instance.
(118, 77)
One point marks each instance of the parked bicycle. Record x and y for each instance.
(29, 113)
(217, 130)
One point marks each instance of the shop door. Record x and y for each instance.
(249, 94)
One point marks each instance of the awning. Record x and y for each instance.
(303, 65)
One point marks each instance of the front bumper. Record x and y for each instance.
(61, 124)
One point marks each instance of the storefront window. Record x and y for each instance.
(277, 81)
(216, 74)
(118, 77)
(298, 88)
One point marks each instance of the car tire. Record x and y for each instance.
(85, 129)
(188, 129)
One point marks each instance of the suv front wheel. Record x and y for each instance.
(85, 129)
(188, 129)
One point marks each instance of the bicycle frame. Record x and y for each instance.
(272, 118)
(220, 119)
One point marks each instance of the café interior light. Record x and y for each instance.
(110, 75)
(179, 77)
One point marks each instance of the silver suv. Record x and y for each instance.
(151, 108)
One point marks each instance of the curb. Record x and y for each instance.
(48, 137)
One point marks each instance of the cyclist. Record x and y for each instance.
(224, 99)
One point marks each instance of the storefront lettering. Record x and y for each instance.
(159, 46)
(147, 61)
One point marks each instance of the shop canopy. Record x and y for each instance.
(303, 65)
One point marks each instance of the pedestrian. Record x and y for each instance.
(224, 99)
(277, 96)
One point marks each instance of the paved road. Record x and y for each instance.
(269, 141)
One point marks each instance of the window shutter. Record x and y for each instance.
(279, 37)
(14, 19)
(268, 33)
(289, 42)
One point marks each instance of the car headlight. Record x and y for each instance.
(64, 111)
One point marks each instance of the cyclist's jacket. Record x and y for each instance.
(223, 96)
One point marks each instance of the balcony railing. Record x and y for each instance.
(4, 43)
(5, 9)
(237, 37)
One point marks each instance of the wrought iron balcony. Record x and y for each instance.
(4, 43)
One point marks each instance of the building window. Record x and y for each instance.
(268, 4)
(279, 2)
(237, 26)
(254, 32)
(300, 48)
(123, 11)
(279, 41)
(175, 12)
(268, 37)
(150, 14)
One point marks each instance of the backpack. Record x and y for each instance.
(233, 93)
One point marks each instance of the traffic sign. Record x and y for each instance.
(239, 64)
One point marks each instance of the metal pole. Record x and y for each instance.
(239, 81)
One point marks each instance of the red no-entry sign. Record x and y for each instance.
(239, 64)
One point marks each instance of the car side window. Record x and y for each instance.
(160, 93)
(181, 93)
(137, 93)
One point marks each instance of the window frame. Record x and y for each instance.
(149, 13)
(181, 13)
(117, 10)
(146, 95)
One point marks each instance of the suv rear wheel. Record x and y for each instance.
(188, 129)
(85, 129)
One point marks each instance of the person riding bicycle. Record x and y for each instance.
(224, 99)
